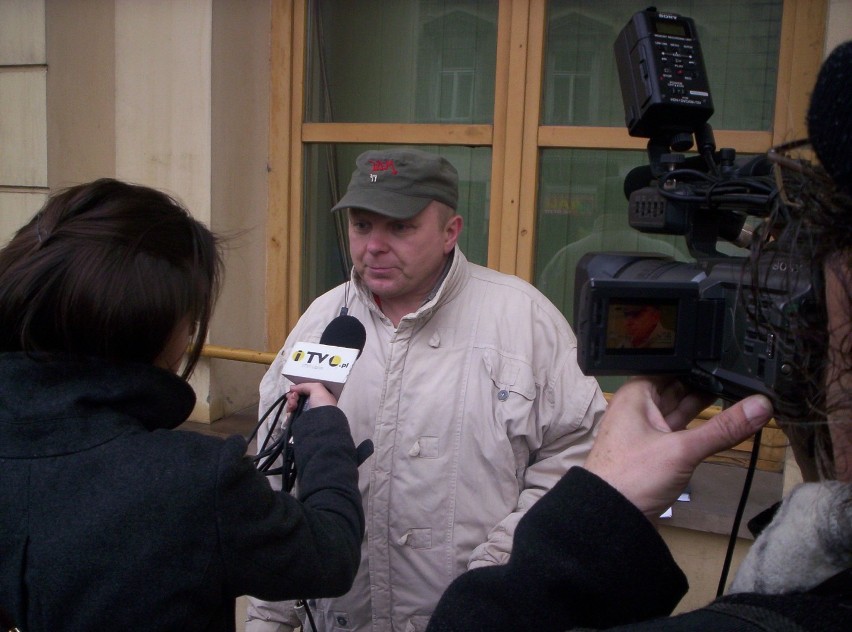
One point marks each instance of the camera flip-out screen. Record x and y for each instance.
(652, 331)
(641, 326)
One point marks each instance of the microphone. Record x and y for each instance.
(638, 178)
(330, 361)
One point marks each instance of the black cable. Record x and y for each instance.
(268, 453)
(288, 467)
(713, 197)
(739, 515)
(303, 603)
(259, 423)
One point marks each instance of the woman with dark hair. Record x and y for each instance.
(108, 518)
(587, 556)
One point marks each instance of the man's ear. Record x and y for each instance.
(452, 230)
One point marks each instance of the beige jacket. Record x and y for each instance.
(476, 407)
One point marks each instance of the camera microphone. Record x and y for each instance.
(638, 178)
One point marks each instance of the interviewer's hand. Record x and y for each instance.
(316, 394)
(643, 448)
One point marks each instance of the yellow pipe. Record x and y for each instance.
(243, 355)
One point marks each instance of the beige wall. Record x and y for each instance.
(839, 24)
(23, 132)
(163, 114)
(239, 140)
(80, 91)
(172, 95)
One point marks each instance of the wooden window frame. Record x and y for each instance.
(515, 136)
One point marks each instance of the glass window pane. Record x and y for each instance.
(328, 169)
(739, 39)
(406, 61)
(582, 208)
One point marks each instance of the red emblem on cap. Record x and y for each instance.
(383, 165)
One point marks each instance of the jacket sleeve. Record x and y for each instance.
(584, 556)
(271, 616)
(275, 546)
(564, 421)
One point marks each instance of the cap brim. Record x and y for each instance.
(384, 202)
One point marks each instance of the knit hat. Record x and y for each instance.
(400, 182)
(830, 116)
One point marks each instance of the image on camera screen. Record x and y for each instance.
(643, 326)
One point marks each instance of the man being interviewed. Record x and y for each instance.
(468, 386)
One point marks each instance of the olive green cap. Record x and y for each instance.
(400, 182)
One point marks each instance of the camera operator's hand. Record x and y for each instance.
(643, 448)
(317, 395)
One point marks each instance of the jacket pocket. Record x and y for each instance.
(513, 401)
(511, 379)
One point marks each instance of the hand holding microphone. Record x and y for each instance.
(318, 372)
(310, 395)
(299, 398)
(327, 363)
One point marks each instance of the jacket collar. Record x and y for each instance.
(55, 404)
(808, 541)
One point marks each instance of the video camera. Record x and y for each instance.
(725, 323)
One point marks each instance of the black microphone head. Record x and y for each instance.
(638, 178)
(830, 116)
(345, 331)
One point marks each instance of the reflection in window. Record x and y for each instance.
(406, 61)
(582, 208)
(456, 95)
(739, 40)
(451, 49)
(578, 63)
(568, 102)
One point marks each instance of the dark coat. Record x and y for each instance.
(111, 520)
(585, 557)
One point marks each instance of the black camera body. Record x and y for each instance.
(730, 325)
(725, 324)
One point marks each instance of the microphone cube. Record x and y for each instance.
(326, 364)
